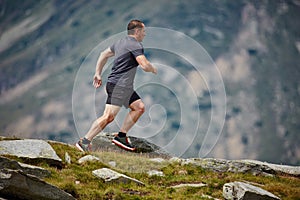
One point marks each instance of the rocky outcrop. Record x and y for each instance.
(241, 166)
(31, 149)
(245, 191)
(103, 142)
(15, 184)
(112, 176)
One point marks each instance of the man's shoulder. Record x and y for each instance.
(128, 42)
(132, 40)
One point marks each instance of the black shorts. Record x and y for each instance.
(120, 96)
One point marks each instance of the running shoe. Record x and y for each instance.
(123, 142)
(83, 147)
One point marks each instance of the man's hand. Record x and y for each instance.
(154, 70)
(97, 81)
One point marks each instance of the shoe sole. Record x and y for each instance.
(119, 144)
(79, 147)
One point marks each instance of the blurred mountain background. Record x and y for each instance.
(255, 45)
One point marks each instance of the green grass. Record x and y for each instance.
(77, 179)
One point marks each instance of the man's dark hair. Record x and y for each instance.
(132, 25)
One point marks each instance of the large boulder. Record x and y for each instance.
(245, 191)
(15, 184)
(31, 149)
(103, 142)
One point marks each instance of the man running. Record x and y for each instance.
(129, 54)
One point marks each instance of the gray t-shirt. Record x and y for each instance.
(124, 67)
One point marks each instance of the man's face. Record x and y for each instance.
(140, 33)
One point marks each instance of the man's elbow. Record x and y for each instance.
(106, 53)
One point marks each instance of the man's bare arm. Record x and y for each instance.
(145, 64)
(107, 53)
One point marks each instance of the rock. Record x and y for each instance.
(67, 158)
(208, 197)
(103, 142)
(189, 185)
(280, 169)
(112, 176)
(32, 149)
(242, 166)
(15, 184)
(244, 191)
(218, 165)
(88, 158)
(6, 163)
(112, 163)
(77, 182)
(175, 160)
(158, 160)
(155, 173)
(182, 172)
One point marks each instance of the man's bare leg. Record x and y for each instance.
(99, 124)
(137, 109)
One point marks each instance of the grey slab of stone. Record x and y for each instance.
(245, 191)
(15, 184)
(30, 148)
(40, 172)
(112, 176)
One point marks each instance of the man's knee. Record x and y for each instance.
(106, 118)
(140, 107)
(109, 117)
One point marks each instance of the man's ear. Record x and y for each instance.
(136, 31)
